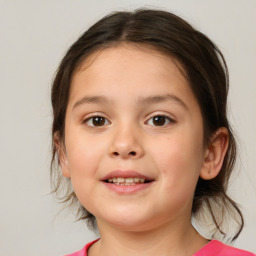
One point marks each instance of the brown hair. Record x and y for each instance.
(206, 71)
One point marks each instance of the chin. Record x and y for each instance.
(131, 226)
(130, 221)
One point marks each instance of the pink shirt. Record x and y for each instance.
(213, 248)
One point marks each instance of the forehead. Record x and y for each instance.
(130, 69)
(137, 51)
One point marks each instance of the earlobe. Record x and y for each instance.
(62, 157)
(215, 154)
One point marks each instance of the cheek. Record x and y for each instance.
(83, 153)
(83, 161)
(83, 164)
(179, 160)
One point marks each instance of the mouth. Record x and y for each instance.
(130, 181)
(127, 181)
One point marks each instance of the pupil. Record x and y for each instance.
(98, 121)
(159, 120)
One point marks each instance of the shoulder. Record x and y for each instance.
(217, 248)
(83, 251)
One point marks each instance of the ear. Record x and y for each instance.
(214, 154)
(62, 156)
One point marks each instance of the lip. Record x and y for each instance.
(127, 189)
(125, 174)
(130, 189)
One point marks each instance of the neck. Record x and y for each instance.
(167, 240)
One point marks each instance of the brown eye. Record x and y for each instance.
(159, 120)
(96, 121)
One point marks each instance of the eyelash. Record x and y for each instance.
(90, 120)
(166, 119)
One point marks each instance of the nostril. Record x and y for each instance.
(132, 153)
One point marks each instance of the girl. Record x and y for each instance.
(141, 134)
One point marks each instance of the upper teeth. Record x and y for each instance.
(126, 181)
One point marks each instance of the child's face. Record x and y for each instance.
(147, 123)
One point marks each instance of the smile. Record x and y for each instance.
(126, 181)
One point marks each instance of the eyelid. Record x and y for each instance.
(100, 114)
(156, 113)
(95, 114)
(167, 116)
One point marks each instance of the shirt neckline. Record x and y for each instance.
(204, 248)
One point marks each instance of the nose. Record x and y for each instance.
(126, 143)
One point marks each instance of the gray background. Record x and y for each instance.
(33, 38)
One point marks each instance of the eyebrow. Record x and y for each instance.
(161, 98)
(91, 100)
(147, 100)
